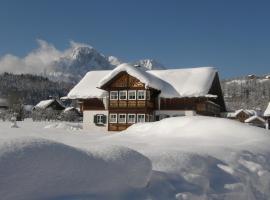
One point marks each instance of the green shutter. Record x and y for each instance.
(104, 119)
(95, 119)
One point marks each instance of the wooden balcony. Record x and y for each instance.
(130, 104)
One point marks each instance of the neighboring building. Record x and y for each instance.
(266, 115)
(71, 114)
(241, 115)
(47, 110)
(53, 104)
(256, 121)
(118, 98)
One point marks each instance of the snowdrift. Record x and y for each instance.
(41, 169)
(204, 157)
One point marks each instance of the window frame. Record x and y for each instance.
(124, 114)
(135, 94)
(116, 118)
(140, 114)
(119, 95)
(144, 93)
(131, 114)
(114, 91)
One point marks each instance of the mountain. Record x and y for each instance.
(248, 92)
(75, 64)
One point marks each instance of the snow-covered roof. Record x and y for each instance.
(70, 109)
(87, 87)
(190, 82)
(248, 112)
(252, 118)
(45, 103)
(173, 83)
(267, 111)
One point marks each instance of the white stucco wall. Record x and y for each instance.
(88, 120)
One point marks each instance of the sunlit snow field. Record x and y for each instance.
(176, 158)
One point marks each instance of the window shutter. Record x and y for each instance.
(104, 119)
(95, 119)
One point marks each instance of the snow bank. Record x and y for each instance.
(41, 169)
(204, 157)
(65, 125)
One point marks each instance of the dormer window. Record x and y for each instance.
(114, 95)
(141, 95)
(123, 95)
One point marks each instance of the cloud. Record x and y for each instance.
(37, 61)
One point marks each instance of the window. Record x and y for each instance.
(114, 95)
(132, 95)
(100, 119)
(131, 118)
(140, 118)
(121, 118)
(113, 118)
(141, 94)
(123, 95)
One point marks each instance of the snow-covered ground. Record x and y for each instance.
(187, 158)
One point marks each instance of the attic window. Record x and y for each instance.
(114, 95)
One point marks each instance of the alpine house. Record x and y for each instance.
(115, 99)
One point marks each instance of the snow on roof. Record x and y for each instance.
(252, 118)
(69, 109)
(248, 112)
(267, 111)
(173, 83)
(142, 75)
(45, 103)
(190, 82)
(87, 87)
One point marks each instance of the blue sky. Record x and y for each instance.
(232, 35)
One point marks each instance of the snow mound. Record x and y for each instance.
(204, 157)
(205, 131)
(66, 126)
(41, 169)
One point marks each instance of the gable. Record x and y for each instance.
(124, 80)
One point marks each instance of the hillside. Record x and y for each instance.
(30, 89)
(252, 92)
